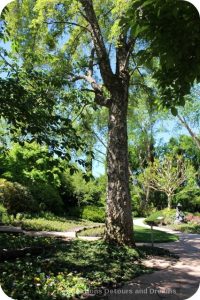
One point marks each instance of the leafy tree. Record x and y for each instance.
(94, 47)
(166, 176)
(189, 116)
(184, 146)
(189, 194)
(31, 163)
(171, 30)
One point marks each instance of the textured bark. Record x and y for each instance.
(119, 222)
(169, 200)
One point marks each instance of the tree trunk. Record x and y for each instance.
(169, 200)
(119, 222)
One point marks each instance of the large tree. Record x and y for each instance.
(94, 47)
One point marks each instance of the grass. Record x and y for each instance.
(141, 234)
(71, 268)
(144, 235)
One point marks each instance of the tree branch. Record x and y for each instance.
(193, 135)
(69, 23)
(99, 96)
(104, 62)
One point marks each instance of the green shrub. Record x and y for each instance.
(168, 217)
(90, 212)
(47, 197)
(16, 198)
(187, 228)
(93, 213)
(189, 199)
(4, 218)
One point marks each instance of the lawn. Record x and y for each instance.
(144, 235)
(71, 268)
(141, 234)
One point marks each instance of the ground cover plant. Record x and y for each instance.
(141, 234)
(56, 223)
(72, 268)
(167, 217)
(187, 228)
(45, 221)
(19, 241)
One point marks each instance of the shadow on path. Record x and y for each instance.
(178, 281)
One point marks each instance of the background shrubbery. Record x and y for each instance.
(16, 197)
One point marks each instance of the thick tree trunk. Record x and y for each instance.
(119, 222)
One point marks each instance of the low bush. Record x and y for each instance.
(16, 197)
(191, 218)
(91, 212)
(164, 217)
(187, 228)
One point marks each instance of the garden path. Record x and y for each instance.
(72, 233)
(174, 280)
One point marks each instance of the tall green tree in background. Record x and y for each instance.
(96, 46)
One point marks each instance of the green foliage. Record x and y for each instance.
(189, 198)
(4, 217)
(47, 198)
(69, 270)
(18, 241)
(93, 213)
(89, 193)
(29, 101)
(166, 175)
(90, 212)
(183, 145)
(96, 232)
(187, 228)
(31, 163)
(49, 222)
(173, 22)
(168, 217)
(16, 198)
